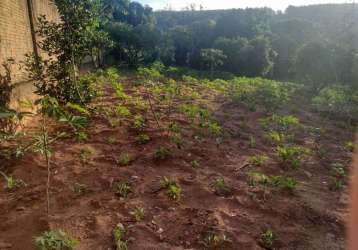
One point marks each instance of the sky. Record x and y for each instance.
(226, 4)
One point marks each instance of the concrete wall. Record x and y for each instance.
(15, 29)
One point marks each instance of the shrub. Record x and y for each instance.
(55, 240)
(261, 92)
(338, 101)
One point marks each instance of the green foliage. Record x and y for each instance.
(118, 234)
(162, 153)
(280, 123)
(338, 101)
(142, 139)
(138, 214)
(258, 160)
(220, 187)
(122, 188)
(285, 183)
(195, 164)
(267, 239)
(123, 111)
(6, 85)
(256, 92)
(87, 154)
(215, 240)
(12, 183)
(125, 159)
(291, 155)
(55, 240)
(173, 188)
(338, 177)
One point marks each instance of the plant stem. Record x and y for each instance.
(46, 153)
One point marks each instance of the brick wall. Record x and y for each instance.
(15, 29)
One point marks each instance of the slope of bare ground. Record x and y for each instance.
(312, 218)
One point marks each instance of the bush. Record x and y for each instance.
(261, 92)
(338, 101)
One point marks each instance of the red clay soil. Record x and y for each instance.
(312, 218)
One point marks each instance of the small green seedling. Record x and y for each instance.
(55, 240)
(122, 188)
(173, 188)
(258, 160)
(12, 183)
(220, 187)
(195, 164)
(138, 122)
(138, 214)
(142, 139)
(125, 159)
(118, 234)
(82, 137)
(290, 155)
(338, 176)
(87, 154)
(162, 153)
(79, 188)
(267, 239)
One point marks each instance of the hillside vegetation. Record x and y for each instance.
(197, 130)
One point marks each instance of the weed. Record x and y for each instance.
(118, 234)
(276, 137)
(195, 164)
(55, 240)
(286, 183)
(267, 238)
(174, 127)
(122, 188)
(177, 139)
(256, 178)
(173, 188)
(258, 160)
(290, 155)
(125, 159)
(162, 153)
(138, 214)
(82, 137)
(11, 183)
(142, 139)
(214, 128)
(220, 187)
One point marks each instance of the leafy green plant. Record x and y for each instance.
(123, 111)
(267, 239)
(122, 188)
(79, 188)
(258, 160)
(55, 240)
(86, 154)
(11, 183)
(195, 164)
(338, 176)
(142, 139)
(119, 233)
(162, 153)
(173, 188)
(125, 159)
(138, 214)
(282, 182)
(276, 137)
(220, 186)
(290, 155)
(280, 123)
(138, 122)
